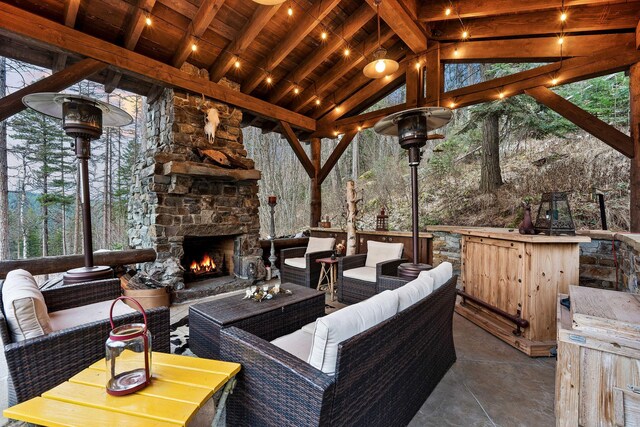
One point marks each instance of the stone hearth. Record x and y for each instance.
(178, 192)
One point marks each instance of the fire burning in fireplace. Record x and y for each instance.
(207, 265)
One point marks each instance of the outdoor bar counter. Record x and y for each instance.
(510, 284)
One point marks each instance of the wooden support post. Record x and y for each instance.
(434, 75)
(412, 81)
(335, 156)
(12, 104)
(298, 150)
(316, 189)
(634, 99)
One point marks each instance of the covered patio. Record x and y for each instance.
(296, 69)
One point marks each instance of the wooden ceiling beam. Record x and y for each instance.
(12, 104)
(610, 17)
(335, 156)
(567, 71)
(638, 36)
(360, 53)
(206, 12)
(394, 14)
(351, 25)
(303, 26)
(18, 23)
(435, 10)
(581, 118)
(364, 94)
(70, 15)
(291, 137)
(246, 36)
(535, 49)
(135, 25)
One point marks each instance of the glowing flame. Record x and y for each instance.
(205, 266)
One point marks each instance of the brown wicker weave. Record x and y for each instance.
(38, 364)
(383, 375)
(301, 276)
(352, 290)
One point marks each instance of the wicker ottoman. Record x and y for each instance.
(267, 319)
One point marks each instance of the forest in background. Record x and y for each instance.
(494, 156)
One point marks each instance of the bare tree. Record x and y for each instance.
(4, 184)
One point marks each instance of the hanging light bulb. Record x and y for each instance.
(290, 11)
(554, 81)
(380, 66)
(148, 21)
(452, 105)
(501, 95)
(317, 101)
(418, 65)
(237, 63)
(563, 16)
(269, 80)
(560, 40)
(347, 51)
(359, 128)
(194, 47)
(323, 35)
(296, 90)
(465, 35)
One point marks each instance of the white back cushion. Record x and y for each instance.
(414, 291)
(440, 274)
(24, 306)
(341, 325)
(297, 343)
(317, 244)
(380, 251)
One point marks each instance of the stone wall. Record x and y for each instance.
(598, 264)
(165, 207)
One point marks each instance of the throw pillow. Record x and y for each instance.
(24, 306)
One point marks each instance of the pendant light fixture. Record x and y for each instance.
(269, 2)
(380, 66)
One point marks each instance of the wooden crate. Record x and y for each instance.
(518, 274)
(598, 365)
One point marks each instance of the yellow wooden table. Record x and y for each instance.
(180, 386)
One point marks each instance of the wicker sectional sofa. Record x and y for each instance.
(383, 375)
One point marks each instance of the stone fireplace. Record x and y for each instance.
(188, 204)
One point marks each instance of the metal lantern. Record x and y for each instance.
(554, 215)
(382, 221)
(128, 358)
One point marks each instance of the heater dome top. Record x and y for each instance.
(50, 104)
(436, 118)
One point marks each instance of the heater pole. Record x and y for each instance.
(414, 213)
(83, 152)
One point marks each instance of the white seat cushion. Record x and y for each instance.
(343, 324)
(310, 327)
(296, 262)
(72, 317)
(414, 291)
(317, 244)
(361, 273)
(297, 343)
(24, 306)
(441, 274)
(379, 252)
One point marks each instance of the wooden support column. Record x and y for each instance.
(316, 189)
(414, 83)
(434, 74)
(634, 99)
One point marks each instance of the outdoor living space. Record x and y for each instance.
(320, 212)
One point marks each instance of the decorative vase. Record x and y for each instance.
(526, 226)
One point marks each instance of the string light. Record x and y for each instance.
(563, 16)
(335, 133)
(452, 104)
(148, 21)
(237, 63)
(455, 51)
(317, 101)
(269, 80)
(194, 47)
(359, 128)
(338, 110)
(323, 35)
(296, 90)
(554, 81)
(347, 51)
(465, 35)
(501, 95)
(418, 65)
(447, 11)
(290, 11)
(561, 40)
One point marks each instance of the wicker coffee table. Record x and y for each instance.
(268, 319)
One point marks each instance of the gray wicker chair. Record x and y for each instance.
(38, 364)
(302, 276)
(351, 290)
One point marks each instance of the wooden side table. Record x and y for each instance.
(180, 387)
(328, 273)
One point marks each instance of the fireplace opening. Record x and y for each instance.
(207, 257)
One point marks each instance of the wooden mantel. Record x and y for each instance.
(202, 169)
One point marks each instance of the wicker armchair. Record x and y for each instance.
(301, 276)
(351, 290)
(38, 364)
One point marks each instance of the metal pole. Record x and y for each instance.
(414, 161)
(83, 153)
(272, 256)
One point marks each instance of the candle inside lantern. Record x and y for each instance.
(272, 200)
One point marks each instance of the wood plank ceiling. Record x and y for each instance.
(286, 61)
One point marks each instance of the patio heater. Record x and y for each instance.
(83, 119)
(412, 127)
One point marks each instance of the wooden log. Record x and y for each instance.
(58, 264)
(237, 160)
(316, 185)
(352, 211)
(634, 93)
(202, 169)
(216, 156)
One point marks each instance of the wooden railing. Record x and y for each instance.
(58, 264)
